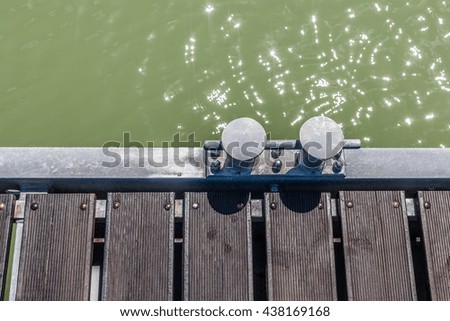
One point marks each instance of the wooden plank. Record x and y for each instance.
(139, 247)
(6, 215)
(377, 247)
(56, 256)
(435, 218)
(300, 252)
(217, 247)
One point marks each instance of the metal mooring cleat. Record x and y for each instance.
(244, 150)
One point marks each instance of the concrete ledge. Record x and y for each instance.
(183, 169)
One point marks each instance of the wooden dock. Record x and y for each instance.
(242, 245)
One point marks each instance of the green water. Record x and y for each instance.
(82, 72)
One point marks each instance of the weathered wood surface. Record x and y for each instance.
(56, 255)
(435, 219)
(217, 247)
(377, 246)
(300, 252)
(6, 213)
(139, 247)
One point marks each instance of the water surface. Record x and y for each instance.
(83, 72)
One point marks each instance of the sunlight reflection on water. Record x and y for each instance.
(381, 70)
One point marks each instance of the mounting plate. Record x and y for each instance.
(280, 157)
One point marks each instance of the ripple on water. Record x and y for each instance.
(380, 69)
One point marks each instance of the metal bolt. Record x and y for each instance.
(215, 164)
(116, 205)
(195, 206)
(337, 166)
(320, 206)
(349, 204)
(167, 206)
(240, 206)
(83, 206)
(273, 205)
(214, 153)
(277, 164)
(2, 206)
(275, 153)
(396, 204)
(427, 205)
(34, 206)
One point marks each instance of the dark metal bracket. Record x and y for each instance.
(280, 157)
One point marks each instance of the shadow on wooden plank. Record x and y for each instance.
(300, 251)
(217, 247)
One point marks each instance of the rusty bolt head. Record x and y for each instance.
(116, 205)
(34, 206)
(195, 206)
(2, 206)
(167, 207)
(273, 205)
(240, 206)
(427, 205)
(320, 206)
(83, 206)
(396, 204)
(349, 204)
